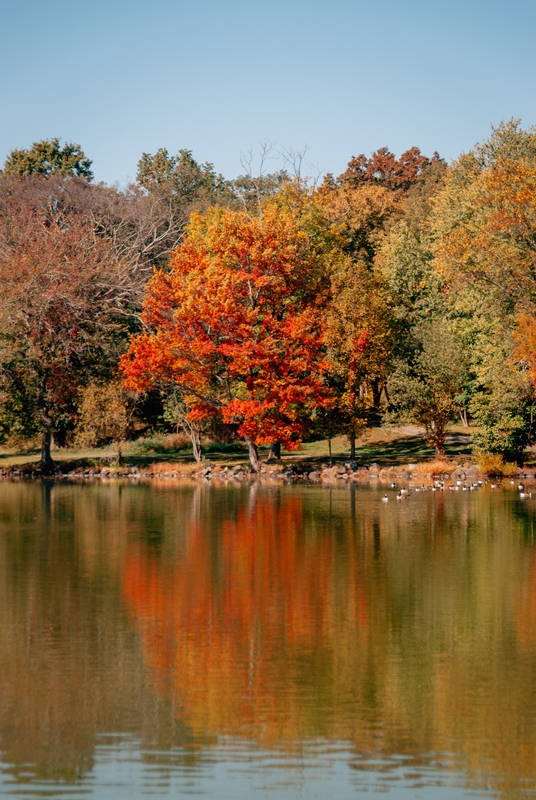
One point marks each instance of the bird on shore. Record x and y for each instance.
(385, 499)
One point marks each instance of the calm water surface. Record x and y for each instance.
(266, 641)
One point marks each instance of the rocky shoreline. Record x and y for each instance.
(348, 472)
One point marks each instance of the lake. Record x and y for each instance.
(243, 641)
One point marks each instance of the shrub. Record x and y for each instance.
(494, 464)
(437, 467)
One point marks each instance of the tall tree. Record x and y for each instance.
(64, 296)
(236, 325)
(425, 387)
(483, 228)
(47, 158)
(384, 169)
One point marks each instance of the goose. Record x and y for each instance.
(385, 499)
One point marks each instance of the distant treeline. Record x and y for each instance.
(267, 307)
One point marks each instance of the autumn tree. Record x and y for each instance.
(424, 388)
(236, 325)
(47, 158)
(105, 414)
(384, 169)
(483, 228)
(62, 318)
(359, 338)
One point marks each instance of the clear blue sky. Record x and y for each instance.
(121, 77)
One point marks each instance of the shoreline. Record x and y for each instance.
(322, 474)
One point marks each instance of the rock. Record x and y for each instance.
(471, 471)
(314, 476)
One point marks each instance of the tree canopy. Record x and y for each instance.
(48, 158)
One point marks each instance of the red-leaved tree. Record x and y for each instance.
(235, 325)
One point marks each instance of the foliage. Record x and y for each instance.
(278, 310)
(181, 176)
(424, 389)
(63, 296)
(384, 169)
(47, 158)
(105, 414)
(359, 337)
(236, 326)
(437, 467)
(494, 464)
(177, 413)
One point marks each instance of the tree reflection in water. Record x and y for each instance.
(279, 615)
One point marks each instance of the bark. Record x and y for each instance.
(192, 430)
(436, 436)
(330, 454)
(352, 446)
(196, 446)
(253, 454)
(119, 453)
(463, 417)
(47, 464)
(275, 452)
(376, 387)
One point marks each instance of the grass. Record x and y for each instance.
(382, 446)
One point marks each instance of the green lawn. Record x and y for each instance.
(384, 446)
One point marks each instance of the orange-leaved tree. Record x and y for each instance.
(236, 324)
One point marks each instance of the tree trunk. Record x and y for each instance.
(352, 446)
(376, 387)
(119, 453)
(329, 450)
(275, 452)
(196, 447)
(463, 417)
(253, 454)
(47, 464)
(193, 432)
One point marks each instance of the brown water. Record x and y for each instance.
(270, 642)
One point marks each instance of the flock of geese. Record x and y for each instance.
(439, 486)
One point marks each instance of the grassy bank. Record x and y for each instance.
(383, 446)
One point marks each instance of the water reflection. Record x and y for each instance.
(194, 625)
